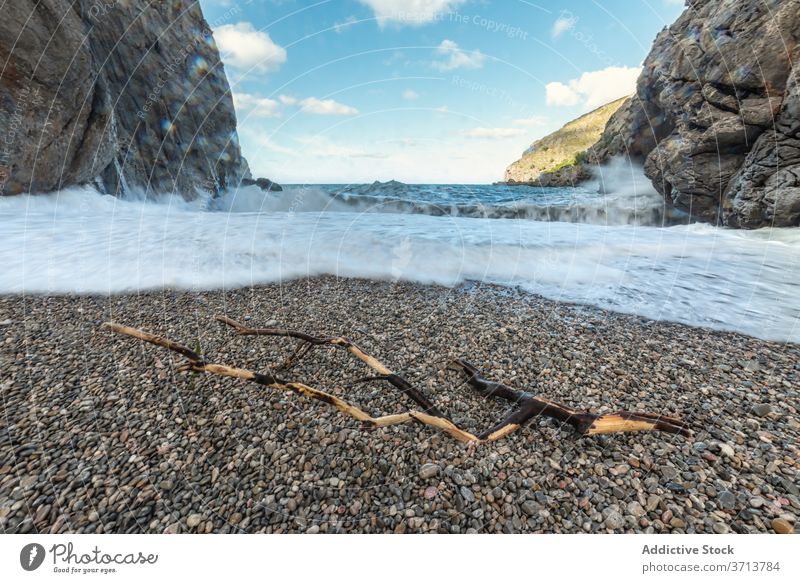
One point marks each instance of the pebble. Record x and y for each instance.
(635, 509)
(530, 508)
(762, 409)
(275, 462)
(726, 499)
(726, 450)
(614, 520)
(429, 471)
(782, 526)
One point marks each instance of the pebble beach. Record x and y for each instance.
(101, 434)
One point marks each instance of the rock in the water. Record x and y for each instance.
(264, 184)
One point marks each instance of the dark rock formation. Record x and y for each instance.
(264, 184)
(716, 117)
(127, 94)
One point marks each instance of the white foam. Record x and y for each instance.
(80, 241)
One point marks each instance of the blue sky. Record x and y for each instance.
(432, 91)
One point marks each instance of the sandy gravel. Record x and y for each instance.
(99, 433)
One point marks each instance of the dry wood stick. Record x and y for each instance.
(341, 342)
(197, 363)
(585, 423)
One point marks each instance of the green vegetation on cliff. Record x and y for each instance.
(563, 148)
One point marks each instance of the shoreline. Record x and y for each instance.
(106, 437)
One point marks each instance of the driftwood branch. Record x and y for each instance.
(383, 371)
(197, 363)
(527, 406)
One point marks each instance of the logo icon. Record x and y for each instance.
(31, 556)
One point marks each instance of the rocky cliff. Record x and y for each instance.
(122, 93)
(558, 158)
(716, 117)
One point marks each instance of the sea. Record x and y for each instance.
(610, 243)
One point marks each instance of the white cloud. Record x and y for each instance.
(562, 24)
(326, 107)
(531, 122)
(594, 88)
(493, 133)
(560, 95)
(343, 25)
(457, 58)
(410, 12)
(244, 47)
(287, 99)
(410, 95)
(256, 106)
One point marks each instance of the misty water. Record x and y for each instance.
(608, 244)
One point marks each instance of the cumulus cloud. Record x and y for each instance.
(561, 95)
(454, 57)
(409, 12)
(256, 106)
(410, 95)
(287, 99)
(326, 107)
(594, 88)
(493, 133)
(562, 24)
(244, 47)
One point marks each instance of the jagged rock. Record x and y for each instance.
(126, 94)
(264, 184)
(715, 116)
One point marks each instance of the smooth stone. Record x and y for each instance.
(429, 471)
(726, 499)
(614, 520)
(782, 526)
(530, 508)
(726, 450)
(762, 409)
(669, 473)
(635, 509)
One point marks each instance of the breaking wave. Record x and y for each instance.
(610, 249)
